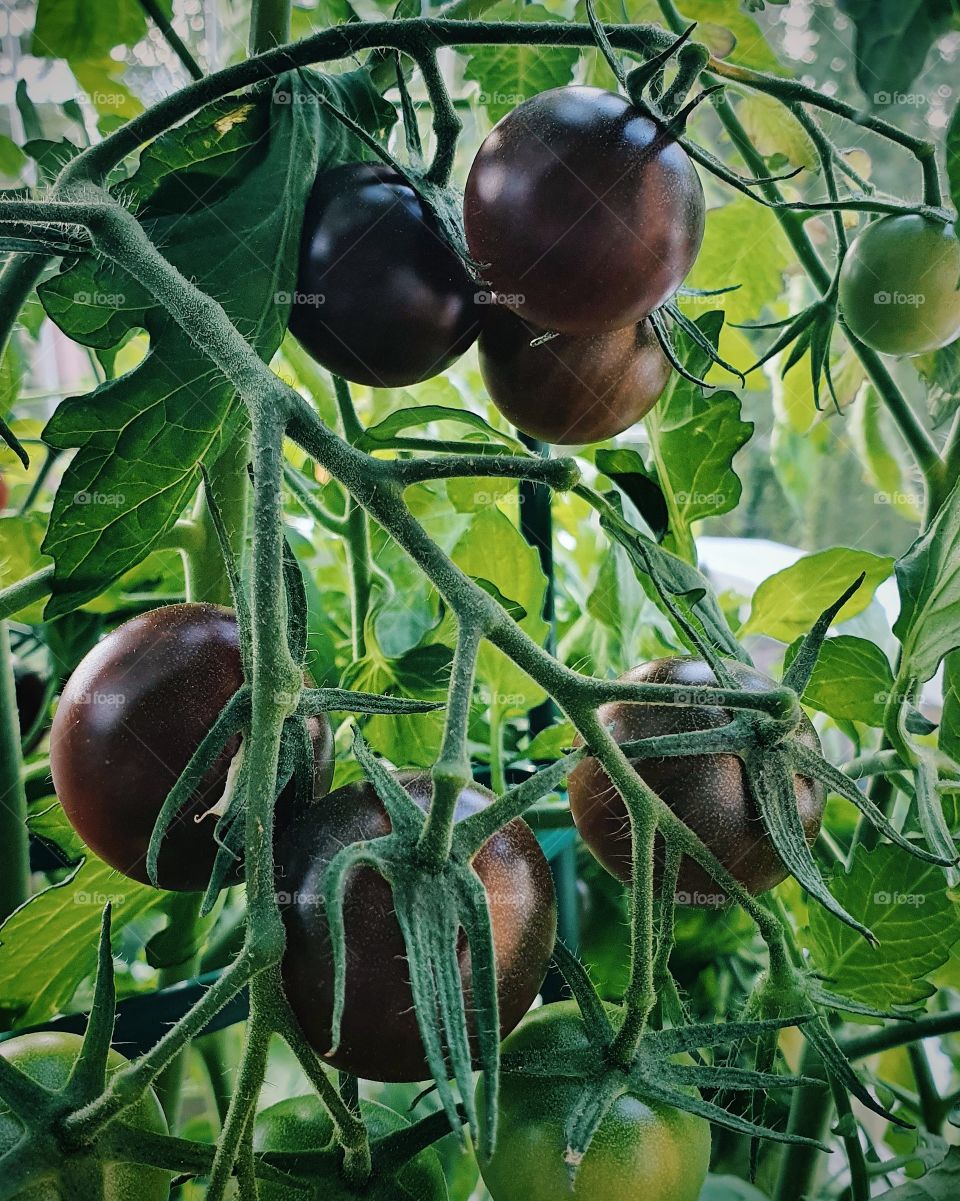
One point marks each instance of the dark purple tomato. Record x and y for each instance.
(582, 210)
(708, 792)
(379, 1038)
(130, 718)
(570, 389)
(382, 298)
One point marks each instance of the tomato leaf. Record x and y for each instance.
(508, 75)
(694, 438)
(141, 437)
(904, 902)
(892, 42)
(929, 578)
(851, 681)
(48, 946)
(940, 370)
(787, 603)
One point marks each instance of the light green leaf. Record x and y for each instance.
(904, 902)
(878, 450)
(788, 603)
(48, 946)
(852, 680)
(774, 130)
(941, 1183)
(74, 29)
(694, 437)
(743, 244)
(929, 578)
(493, 549)
(20, 555)
(508, 75)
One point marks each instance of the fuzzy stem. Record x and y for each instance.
(14, 838)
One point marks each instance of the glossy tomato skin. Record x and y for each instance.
(641, 1149)
(899, 288)
(302, 1124)
(380, 1039)
(570, 390)
(708, 792)
(397, 303)
(129, 719)
(580, 207)
(48, 1059)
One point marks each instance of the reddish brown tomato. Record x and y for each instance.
(708, 792)
(129, 719)
(581, 208)
(379, 1035)
(382, 298)
(570, 389)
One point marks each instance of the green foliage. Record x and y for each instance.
(787, 603)
(929, 579)
(903, 901)
(892, 42)
(508, 75)
(852, 680)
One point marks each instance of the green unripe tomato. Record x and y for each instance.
(48, 1058)
(900, 285)
(641, 1149)
(302, 1124)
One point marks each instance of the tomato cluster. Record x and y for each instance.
(582, 215)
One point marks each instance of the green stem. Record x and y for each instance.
(357, 547)
(159, 17)
(24, 592)
(14, 838)
(809, 1115)
(931, 1105)
(850, 1134)
(498, 779)
(216, 1061)
(204, 568)
(269, 24)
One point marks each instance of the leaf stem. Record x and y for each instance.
(14, 837)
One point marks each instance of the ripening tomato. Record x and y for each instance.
(570, 390)
(708, 792)
(583, 211)
(382, 298)
(642, 1149)
(303, 1124)
(48, 1058)
(130, 718)
(379, 1037)
(900, 285)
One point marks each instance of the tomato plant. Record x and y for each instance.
(50, 1059)
(639, 1146)
(456, 661)
(299, 1124)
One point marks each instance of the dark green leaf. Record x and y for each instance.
(892, 41)
(627, 470)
